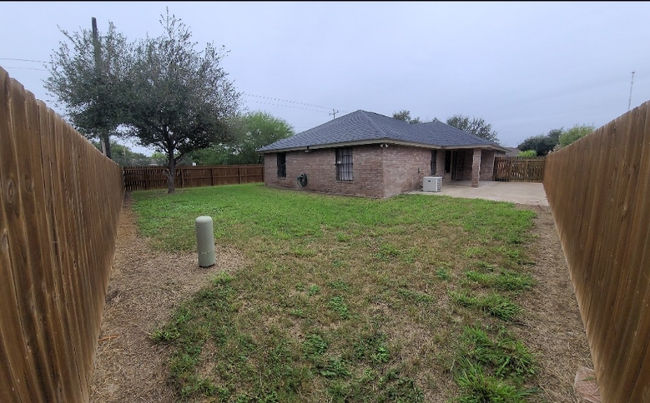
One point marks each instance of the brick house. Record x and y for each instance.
(368, 154)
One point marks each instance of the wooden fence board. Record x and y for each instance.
(63, 374)
(63, 223)
(31, 199)
(144, 178)
(599, 191)
(638, 227)
(59, 204)
(14, 219)
(66, 365)
(519, 169)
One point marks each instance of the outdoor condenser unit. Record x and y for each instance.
(432, 183)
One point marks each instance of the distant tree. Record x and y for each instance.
(87, 80)
(256, 130)
(181, 98)
(542, 144)
(575, 133)
(405, 116)
(554, 135)
(527, 153)
(249, 132)
(475, 126)
(124, 156)
(158, 158)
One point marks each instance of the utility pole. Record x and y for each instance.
(629, 102)
(334, 112)
(103, 136)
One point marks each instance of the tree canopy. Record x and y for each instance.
(405, 116)
(249, 132)
(528, 153)
(555, 139)
(475, 126)
(87, 80)
(159, 90)
(575, 133)
(542, 144)
(181, 97)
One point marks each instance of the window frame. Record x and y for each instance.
(281, 161)
(343, 160)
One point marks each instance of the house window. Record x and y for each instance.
(344, 164)
(282, 165)
(434, 161)
(447, 162)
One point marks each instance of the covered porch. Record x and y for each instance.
(465, 164)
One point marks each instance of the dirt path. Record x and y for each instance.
(144, 289)
(146, 286)
(552, 324)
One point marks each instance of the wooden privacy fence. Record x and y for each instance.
(59, 207)
(521, 169)
(143, 178)
(599, 190)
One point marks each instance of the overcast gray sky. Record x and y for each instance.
(526, 68)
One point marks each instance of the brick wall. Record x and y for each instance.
(319, 165)
(377, 172)
(487, 165)
(404, 168)
(476, 166)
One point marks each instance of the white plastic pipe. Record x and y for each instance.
(205, 241)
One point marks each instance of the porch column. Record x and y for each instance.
(476, 167)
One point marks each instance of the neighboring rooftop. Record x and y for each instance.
(362, 127)
(512, 151)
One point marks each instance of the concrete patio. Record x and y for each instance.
(515, 192)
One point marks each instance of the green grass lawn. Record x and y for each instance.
(348, 299)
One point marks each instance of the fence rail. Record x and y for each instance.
(60, 201)
(599, 191)
(144, 178)
(520, 169)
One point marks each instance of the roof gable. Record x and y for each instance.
(369, 127)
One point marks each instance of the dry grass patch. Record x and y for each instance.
(345, 299)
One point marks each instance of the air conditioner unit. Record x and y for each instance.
(432, 183)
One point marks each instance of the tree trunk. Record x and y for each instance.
(171, 175)
(105, 140)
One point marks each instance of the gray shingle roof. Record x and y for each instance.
(362, 126)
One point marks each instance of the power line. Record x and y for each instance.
(23, 68)
(333, 113)
(287, 106)
(286, 100)
(23, 60)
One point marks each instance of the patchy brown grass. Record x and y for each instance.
(552, 325)
(147, 286)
